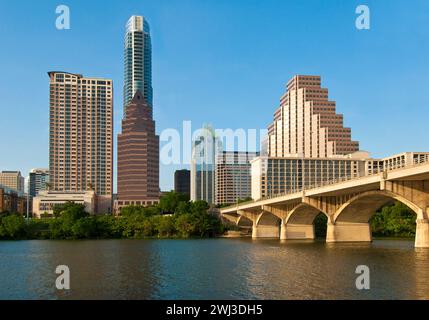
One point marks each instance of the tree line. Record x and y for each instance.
(173, 217)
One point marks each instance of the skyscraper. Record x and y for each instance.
(306, 123)
(138, 156)
(204, 150)
(38, 180)
(81, 133)
(307, 142)
(138, 60)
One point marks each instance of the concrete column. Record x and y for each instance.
(283, 231)
(298, 231)
(422, 233)
(348, 232)
(265, 231)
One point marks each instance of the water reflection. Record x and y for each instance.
(213, 269)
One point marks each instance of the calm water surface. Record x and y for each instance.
(212, 269)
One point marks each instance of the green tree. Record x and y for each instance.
(183, 207)
(165, 226)
(185, 225)
(84, 228)
(169, 201)
(12, 227)
(396, 220)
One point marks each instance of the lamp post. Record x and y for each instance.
(28, 198)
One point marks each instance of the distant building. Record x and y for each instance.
(13, 180)
(45, 202)
(138, 156)
(39, 178)
(81, 134)
(182, 182)
(11, 201)
(233, 176)
(204, 150)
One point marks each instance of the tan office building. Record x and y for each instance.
(12, 180)
(306, 123)
(81, 135)
(307, 143)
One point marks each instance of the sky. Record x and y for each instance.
(222, 62)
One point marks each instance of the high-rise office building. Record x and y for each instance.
(81, 135)
(138, 156)
(182, 182)
(233, 176)
(307, 143)
(204, 150)
(12, 180)
(138, 60)
(39, 178)
(306, 123)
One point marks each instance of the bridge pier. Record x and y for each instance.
(348, 232)
(265, 231)
(291, 231)
(422, 233)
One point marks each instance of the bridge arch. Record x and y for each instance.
(303, 213)
(362, 207)
(242, 221)
(268, 219)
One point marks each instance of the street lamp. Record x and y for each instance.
(28, 198)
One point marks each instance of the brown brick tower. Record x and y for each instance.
(138, 156)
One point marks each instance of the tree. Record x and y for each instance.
(396, 220)
(84, 228)
(183, 207)
(169, 201)
(185, 225)
(199, 206)
(165, 226)
(12, 227)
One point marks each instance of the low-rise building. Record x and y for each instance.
(45, 202)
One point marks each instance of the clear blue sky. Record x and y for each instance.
(223, 62)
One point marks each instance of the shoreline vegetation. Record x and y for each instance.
(175, 217)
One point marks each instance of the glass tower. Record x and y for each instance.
(138, 60)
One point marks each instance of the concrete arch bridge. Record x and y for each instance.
(348, 205)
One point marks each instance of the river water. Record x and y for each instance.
(212, 269)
